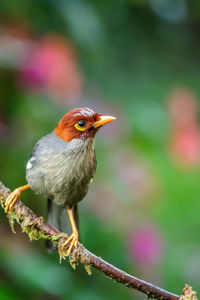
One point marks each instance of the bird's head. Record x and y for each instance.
(80, 123)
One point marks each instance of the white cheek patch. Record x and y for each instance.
(87, 112)
(30, 163)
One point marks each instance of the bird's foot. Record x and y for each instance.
(73, 240)
(12, 198)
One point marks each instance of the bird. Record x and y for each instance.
(61, 167)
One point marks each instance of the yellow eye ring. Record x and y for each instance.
(82, 127)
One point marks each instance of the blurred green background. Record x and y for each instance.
(138, 60)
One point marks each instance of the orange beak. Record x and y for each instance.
(103, 120)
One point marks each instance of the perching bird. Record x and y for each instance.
(62, 165)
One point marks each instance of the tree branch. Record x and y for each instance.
(37, 228)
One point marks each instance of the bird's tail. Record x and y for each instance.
(58, 218)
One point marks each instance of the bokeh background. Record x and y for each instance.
(138, 60)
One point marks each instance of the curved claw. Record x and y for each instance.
(73, 240)
(12, 198)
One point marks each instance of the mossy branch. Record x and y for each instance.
(37, 228)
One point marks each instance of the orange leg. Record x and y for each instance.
(73, 238)
(12, 198)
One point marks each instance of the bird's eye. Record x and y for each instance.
(80, 125)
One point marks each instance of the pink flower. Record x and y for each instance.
(145, 245)
(52, 64)
(185, 136)
(185, 147)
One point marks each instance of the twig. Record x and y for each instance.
(37, 228)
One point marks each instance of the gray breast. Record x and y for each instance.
(61, 171)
